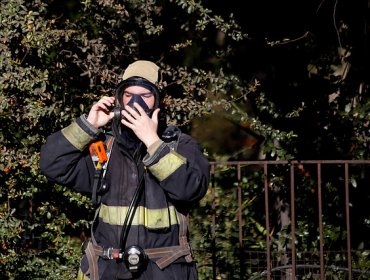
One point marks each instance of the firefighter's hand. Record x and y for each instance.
(100, 113)
(142, 125)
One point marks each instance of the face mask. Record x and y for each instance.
(136, 98)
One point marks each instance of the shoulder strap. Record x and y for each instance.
(171, 136)
(100, 154)
(96, 154)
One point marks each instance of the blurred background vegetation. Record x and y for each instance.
(262, 80)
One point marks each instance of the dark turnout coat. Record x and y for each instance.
(173, 181)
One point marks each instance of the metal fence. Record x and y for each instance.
(315, 189)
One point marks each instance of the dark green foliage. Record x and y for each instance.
(306, 96)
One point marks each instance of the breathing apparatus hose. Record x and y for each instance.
(130, 214)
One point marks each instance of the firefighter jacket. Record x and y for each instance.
(173, 181)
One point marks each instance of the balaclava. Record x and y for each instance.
(139, 73)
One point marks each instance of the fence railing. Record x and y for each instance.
(294, 194)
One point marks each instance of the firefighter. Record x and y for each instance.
(143, 179)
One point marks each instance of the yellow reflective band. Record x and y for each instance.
(167, 165)
(81, 276)
(77, 136)
(150, 218)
